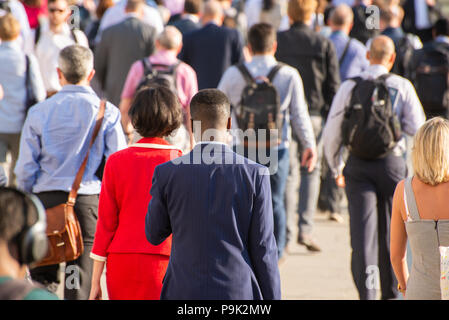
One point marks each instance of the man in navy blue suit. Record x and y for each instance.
(217, 204)
(213, 48)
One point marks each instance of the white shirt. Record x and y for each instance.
(117, 14)
(406, 105)
(47, 51)
(253, 10)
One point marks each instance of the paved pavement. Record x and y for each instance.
(319, 276)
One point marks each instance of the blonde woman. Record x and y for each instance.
(421, 214)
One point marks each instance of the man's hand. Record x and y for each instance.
(309, 158)
(340, 180)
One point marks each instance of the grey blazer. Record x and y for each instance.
(121, 45)
(3, 178)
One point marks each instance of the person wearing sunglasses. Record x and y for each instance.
(50, 37)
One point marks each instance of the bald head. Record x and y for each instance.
(170, 38)
(341, 17)
(212, 10)
(382, 51)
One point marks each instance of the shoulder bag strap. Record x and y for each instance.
(79, 176)
(345, 51)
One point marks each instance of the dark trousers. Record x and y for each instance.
(330, 194)
(78, 273)
(370, 187)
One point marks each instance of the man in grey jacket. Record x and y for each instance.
(121, 45)
(287, 81)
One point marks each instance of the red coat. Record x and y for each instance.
(124, 198)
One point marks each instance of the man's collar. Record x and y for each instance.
(77, 88)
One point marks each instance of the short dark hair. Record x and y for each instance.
(193, 6)
(155, 112)
(441, 27)
(13, 205)
(211, 107)
(261, 37)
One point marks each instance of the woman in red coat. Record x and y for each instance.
(134, 267)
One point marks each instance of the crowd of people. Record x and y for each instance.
(224, 118)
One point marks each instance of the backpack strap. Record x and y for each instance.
(245, 73)
(15, 289)
(345, 51)
(37, 34)
(274, 71)
(147, 66)
(410, 200)
(72, 32)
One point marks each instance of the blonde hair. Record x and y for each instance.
(9, 27)
(430, 152)
(301, 10)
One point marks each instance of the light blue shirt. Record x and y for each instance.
(55, 139)
(12, 80)
(355, 62)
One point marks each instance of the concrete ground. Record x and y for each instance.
(319, 276)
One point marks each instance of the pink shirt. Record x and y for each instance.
(186, 81)
(174, 6)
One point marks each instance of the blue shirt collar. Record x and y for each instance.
(340, 33)
(77, 88)
(442, 39)
(11, 44)
(263, 59)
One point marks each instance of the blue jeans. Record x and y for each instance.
(278, 179)
(309, 188)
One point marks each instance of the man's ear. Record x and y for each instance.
(393, 58)
(91, 75)
(229, 124)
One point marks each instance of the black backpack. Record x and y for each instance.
(370, 128)
(432, 80)
(164, 75)
(404, 55)
(260, 106)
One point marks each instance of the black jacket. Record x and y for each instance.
(315, 58)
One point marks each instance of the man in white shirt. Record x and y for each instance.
(117, 14)
(53, 37)
(370, 184)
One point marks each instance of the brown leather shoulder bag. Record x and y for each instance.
(65, 240)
